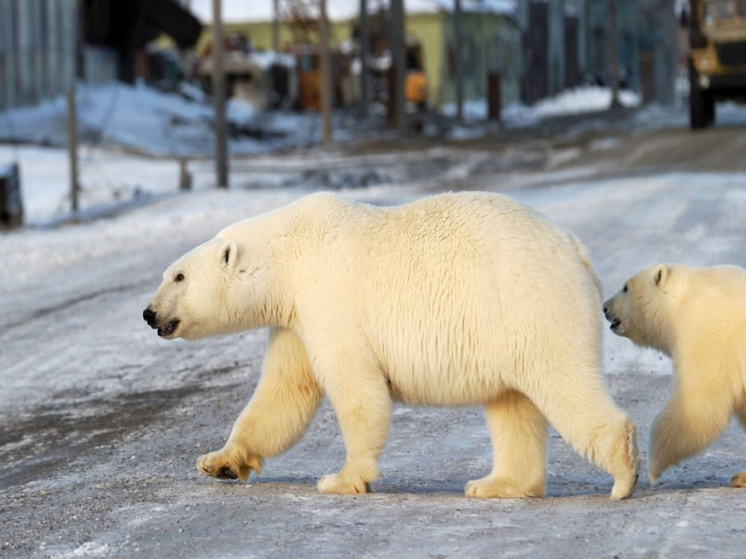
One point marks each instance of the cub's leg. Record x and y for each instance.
(278, 414)
(519, 437)
(739, 480)
(575, 401)
(360, 396)
(697, 413)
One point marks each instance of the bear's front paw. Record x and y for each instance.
(493, 487)
(738, 480)
(224, 465)
(342, 484)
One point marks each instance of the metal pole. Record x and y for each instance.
(326, 92)
(364, 47)
(218, 95)
(72, 144)
(398, 59)
(457, 61)
(614, 50)
(668, 26)
(276, 25)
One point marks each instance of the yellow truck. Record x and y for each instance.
(717, 68)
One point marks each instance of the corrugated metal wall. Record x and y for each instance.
(37, 50)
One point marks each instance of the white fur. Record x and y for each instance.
(697, 316)
(457, 299)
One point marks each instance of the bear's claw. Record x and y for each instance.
(222, 465)
(226, 473)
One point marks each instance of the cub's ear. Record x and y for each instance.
(660, 275)
(228, 255)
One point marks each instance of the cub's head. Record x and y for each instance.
(191, 301)
(637, 311)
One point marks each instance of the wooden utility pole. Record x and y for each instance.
(398, 61)
(218, 95)
(457, 62)
(364, 47)
(326, 89)
(614, 54)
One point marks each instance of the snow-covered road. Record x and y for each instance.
(101, 421)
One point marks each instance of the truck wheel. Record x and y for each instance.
(701, 104)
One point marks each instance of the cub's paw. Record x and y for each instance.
(654, 473)
(496, 488)
(738, 480)
(341, 484)
(223, 465)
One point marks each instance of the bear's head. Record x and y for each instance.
(638, 310)
(197, 297)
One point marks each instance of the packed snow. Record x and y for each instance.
(104, 420)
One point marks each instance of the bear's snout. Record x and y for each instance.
(164, 330)
(149, 316)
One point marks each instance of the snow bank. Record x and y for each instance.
(146, 120)
(582, 100)
(573, 101)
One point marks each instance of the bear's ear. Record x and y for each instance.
(660, 275)
(228, 255)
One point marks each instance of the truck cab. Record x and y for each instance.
(717, 66)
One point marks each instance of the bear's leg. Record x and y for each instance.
(584, 415)
(278, 414)
(698, 411)
(362, 402)
(519, 436)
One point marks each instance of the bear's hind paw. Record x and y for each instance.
(340, 484)
(493, 487)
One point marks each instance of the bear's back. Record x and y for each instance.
(463, 285)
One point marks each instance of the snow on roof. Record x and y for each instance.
(261, 10)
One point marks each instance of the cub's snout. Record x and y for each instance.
(612, 317)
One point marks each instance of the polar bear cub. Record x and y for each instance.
(453, 300)
(697, 316)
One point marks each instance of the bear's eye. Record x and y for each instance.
(625, 288)
(179, 277)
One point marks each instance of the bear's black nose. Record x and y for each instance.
(149, 316)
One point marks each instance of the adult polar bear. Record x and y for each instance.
(697, 316)
(457, 299)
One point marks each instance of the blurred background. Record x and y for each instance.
(147, 78)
